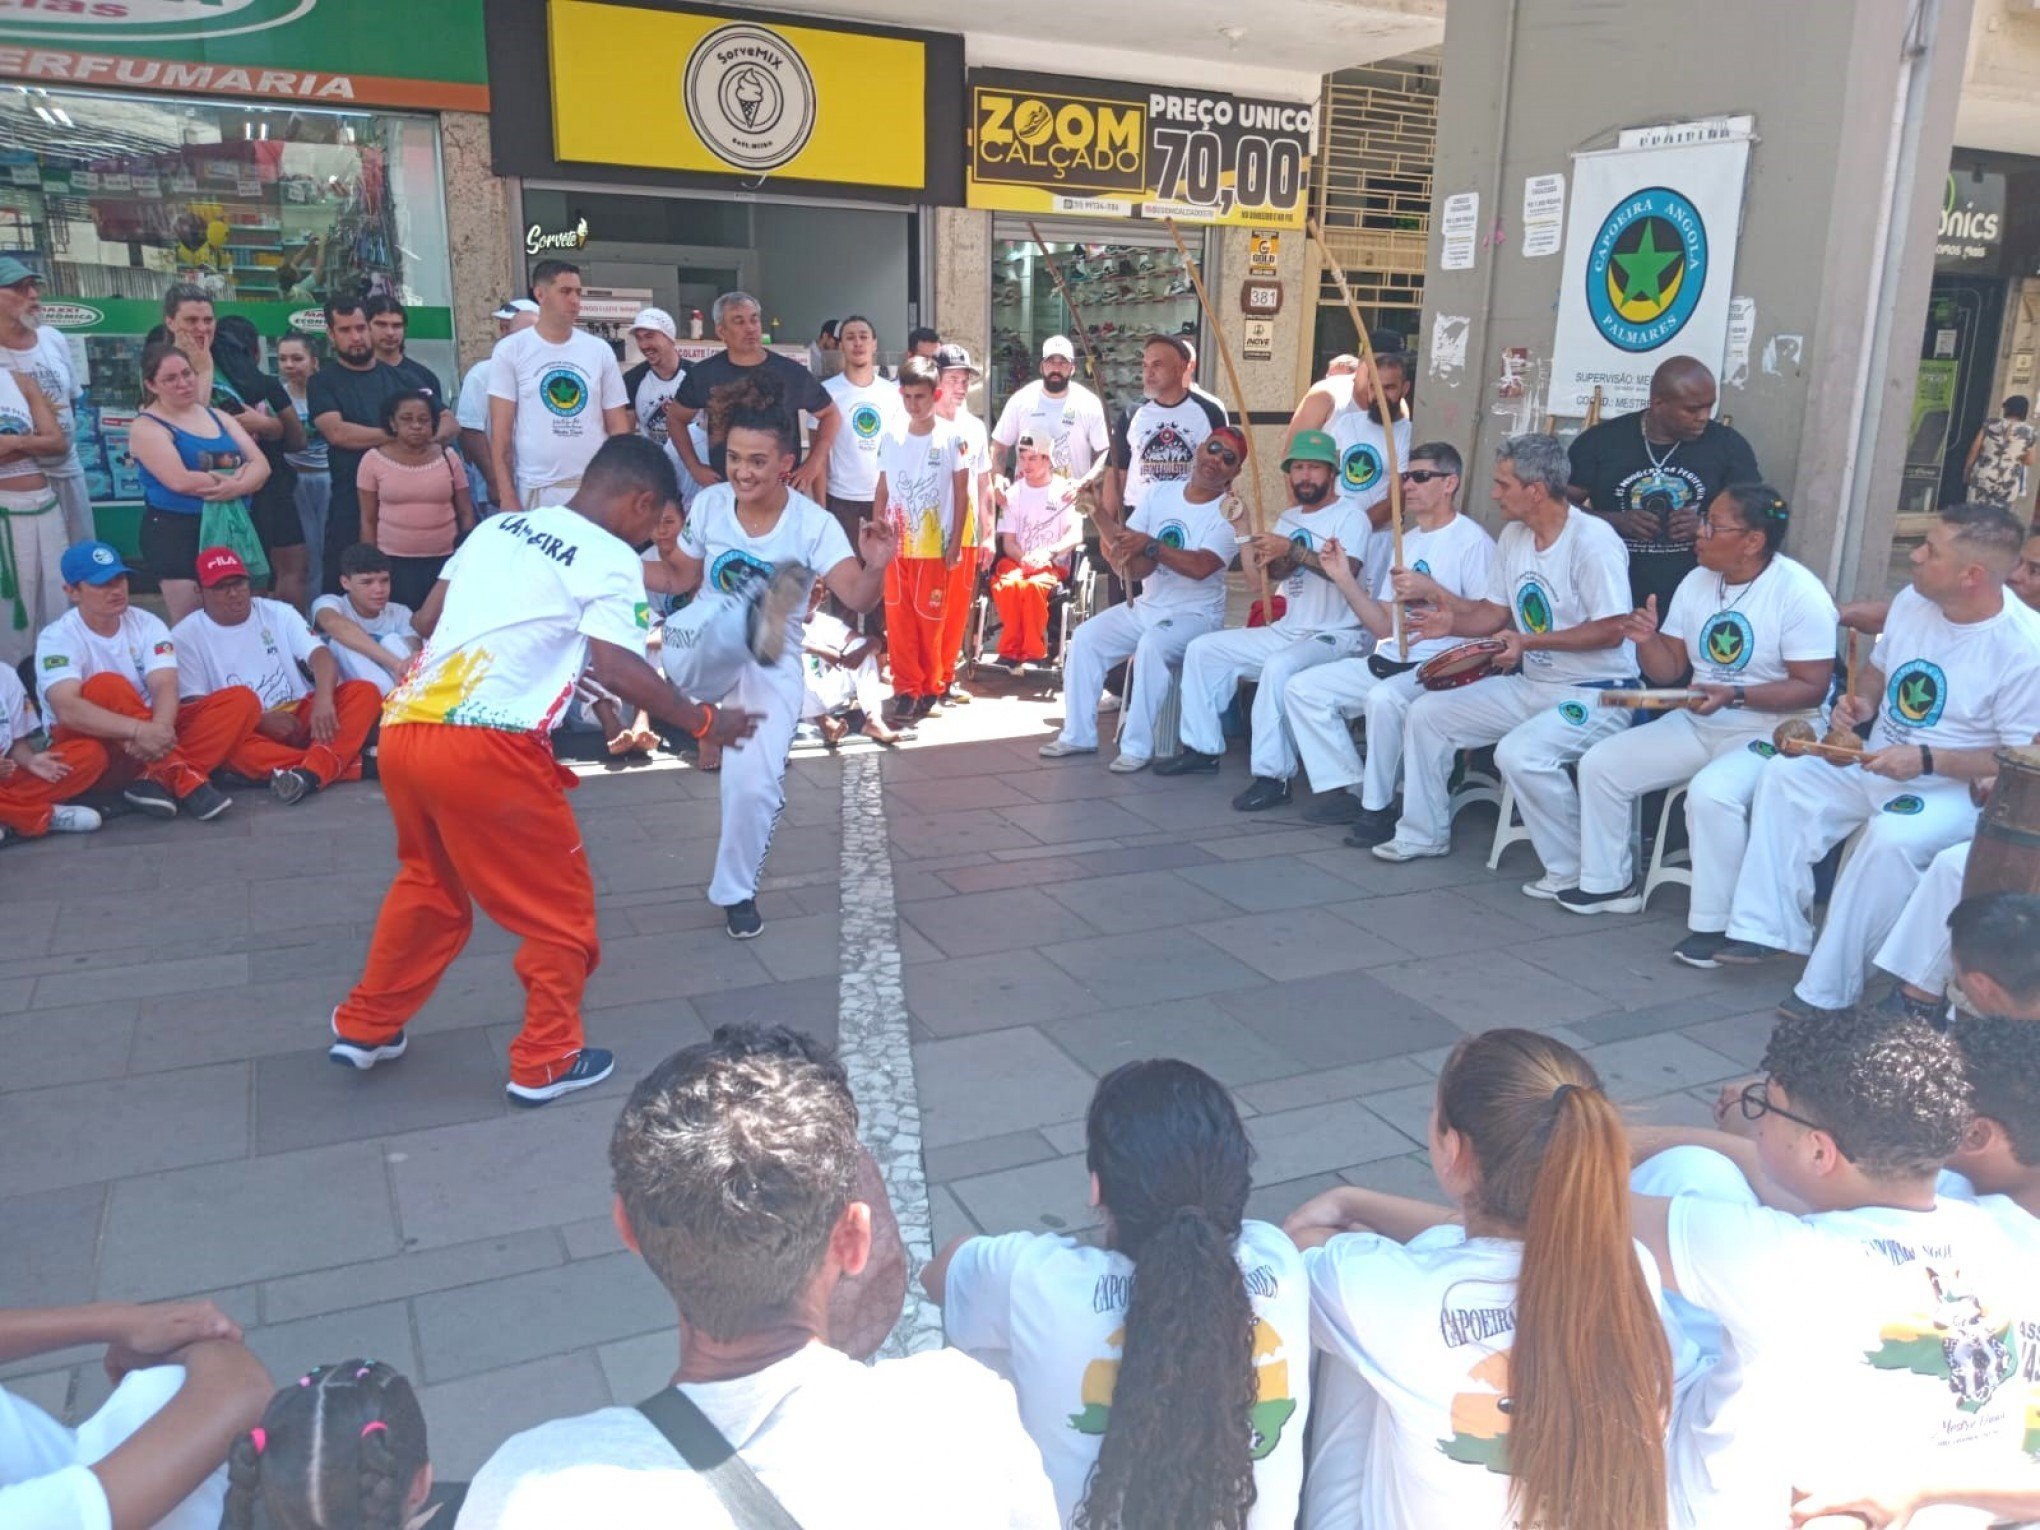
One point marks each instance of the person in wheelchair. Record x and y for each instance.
(1039, 532)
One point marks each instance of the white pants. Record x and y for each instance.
(1916, 950)
(359, 666)
(1537, 729)
(1803, 809)
(34, 528)
(314, 499)
(707, 655)
(1216, 663)
(76, 502)
(1666, 751)
(1322, 702)
(1154, 643)
(42, 1447)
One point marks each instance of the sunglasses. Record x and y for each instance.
(1423, 475)
(1223, 453)
(1755, 1101)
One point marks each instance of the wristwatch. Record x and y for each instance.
(1153, 549)
(1739, 697)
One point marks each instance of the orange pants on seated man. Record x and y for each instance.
(209, 728)
(27, 801)
(358, 704)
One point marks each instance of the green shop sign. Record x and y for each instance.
(330, 53)
(129, 316)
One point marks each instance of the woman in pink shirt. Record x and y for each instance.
(414, 499)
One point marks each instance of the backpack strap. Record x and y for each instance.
(701, 1445)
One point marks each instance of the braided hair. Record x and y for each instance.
(338, 1450)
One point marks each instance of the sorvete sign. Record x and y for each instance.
(333, 53)
(1055, 144)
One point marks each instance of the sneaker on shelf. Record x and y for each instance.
(785, 594)
(292, 786)
(1128, 764)
(1265, 792)
(742, 920)
(1057, 749)
(1576, 901)
(206, 803)
(362, 1054)
(1403, 850)
(1701, 949)
(1744, 953)
(73, 818)
(1334, 808)
(591, 1066)
(1191, 762)
(150, 797)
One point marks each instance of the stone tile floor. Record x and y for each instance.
(170, 1126)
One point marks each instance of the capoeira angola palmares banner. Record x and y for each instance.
(1649, 260)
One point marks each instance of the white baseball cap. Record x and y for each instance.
(656, 318)
(1058, 345)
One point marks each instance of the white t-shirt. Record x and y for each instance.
(471, 409)
(1428, 1326)
(67, 649)
(1314, 603)
(561, 392)
(1862, 1343)
(1074, 422)
(48, 361)
(805, 533)
(524, 594)
(1583, 576)
(1460, 555)
(653, 394)
(1362, 478)
(17, 717)
(1157, 442)
(920, 485)
(1037, 518)
(1169, 518)
(1973, 685)
(269, 653)
(1053, 1311)
(931, 1440)
(1746, 634)
(870, 413)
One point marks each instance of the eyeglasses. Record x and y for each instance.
(1423, 475)
(1755, 1101)
(1223, 453)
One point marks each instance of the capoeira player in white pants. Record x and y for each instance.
(1353, 418)
(1457, 552)
(1558, 604)
(1752, 631)
(754, 546)
(1955, 676)
(1179, 545)
(1316, 627)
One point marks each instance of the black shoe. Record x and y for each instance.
(1334, 808)
(206, 803)
(1701, 949)
(1191, 762)
(742, 921)
(150, 798)
(1374, 826)
(1266, 792)
(292, 786)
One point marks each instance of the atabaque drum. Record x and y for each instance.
(2005, 856)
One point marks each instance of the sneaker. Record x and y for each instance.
(742, 920)
(1403, 850)
(591, 1066)
(1128, 764)
(1374, 826)
(1191, 762)
(1334, 808)
(1266, 792)
(362, 1054)
(1744, 953)
(292, 786)
(206, 802)
(1701, 949)
(785, 594)
(1546, 888)
(150, 797)
(1576, 900)
(73, 818)
(1059, 749)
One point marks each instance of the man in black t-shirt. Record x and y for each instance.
(345, 401)
(740, 325)
(1651, 474)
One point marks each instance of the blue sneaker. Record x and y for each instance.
(591, 1067)
(362, 1054)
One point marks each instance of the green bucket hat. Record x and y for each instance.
(1313, 446)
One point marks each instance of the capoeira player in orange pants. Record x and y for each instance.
(531, 600)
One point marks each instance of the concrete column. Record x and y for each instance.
(1854, 119)
(483, 264)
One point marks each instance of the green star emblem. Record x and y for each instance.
(1643, 269)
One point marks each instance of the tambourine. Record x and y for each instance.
(1795, 737)
(1461, 665)
(1663, 699)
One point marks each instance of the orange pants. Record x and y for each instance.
(956, 602)
(359, 704)
(1022, 599)
(207, 731)
(27, 800)
(916, 604)
(480, 813)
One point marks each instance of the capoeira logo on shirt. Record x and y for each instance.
(1956, 1340)
(1166, 454)
(1533, 607)
(1728, 640)
(564, 391)
(1273, 1405)
(737, 568)
(1917, 694)
(1360, 468)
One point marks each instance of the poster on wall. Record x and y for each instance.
(1042, 143)
(1649, 259)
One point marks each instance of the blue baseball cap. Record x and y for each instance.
(92, 563)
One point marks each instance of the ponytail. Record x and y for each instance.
(1173, 1167)
(340, 1447)
(1589, 1376)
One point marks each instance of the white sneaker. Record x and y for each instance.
(1404, 850)
(74, 818)
(1127, 764)
(1547, 888)
(1056, 749)
(1109, 704)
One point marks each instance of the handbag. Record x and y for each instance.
(226, 523)
(701, 1445)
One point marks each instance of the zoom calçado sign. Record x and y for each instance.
(1053, 144)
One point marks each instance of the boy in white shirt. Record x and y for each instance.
(370, 635)
(1039, 529)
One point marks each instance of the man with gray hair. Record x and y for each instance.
(740, 1182)
(791, 388)
(1556, 605)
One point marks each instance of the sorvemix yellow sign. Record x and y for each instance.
(672, 90)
